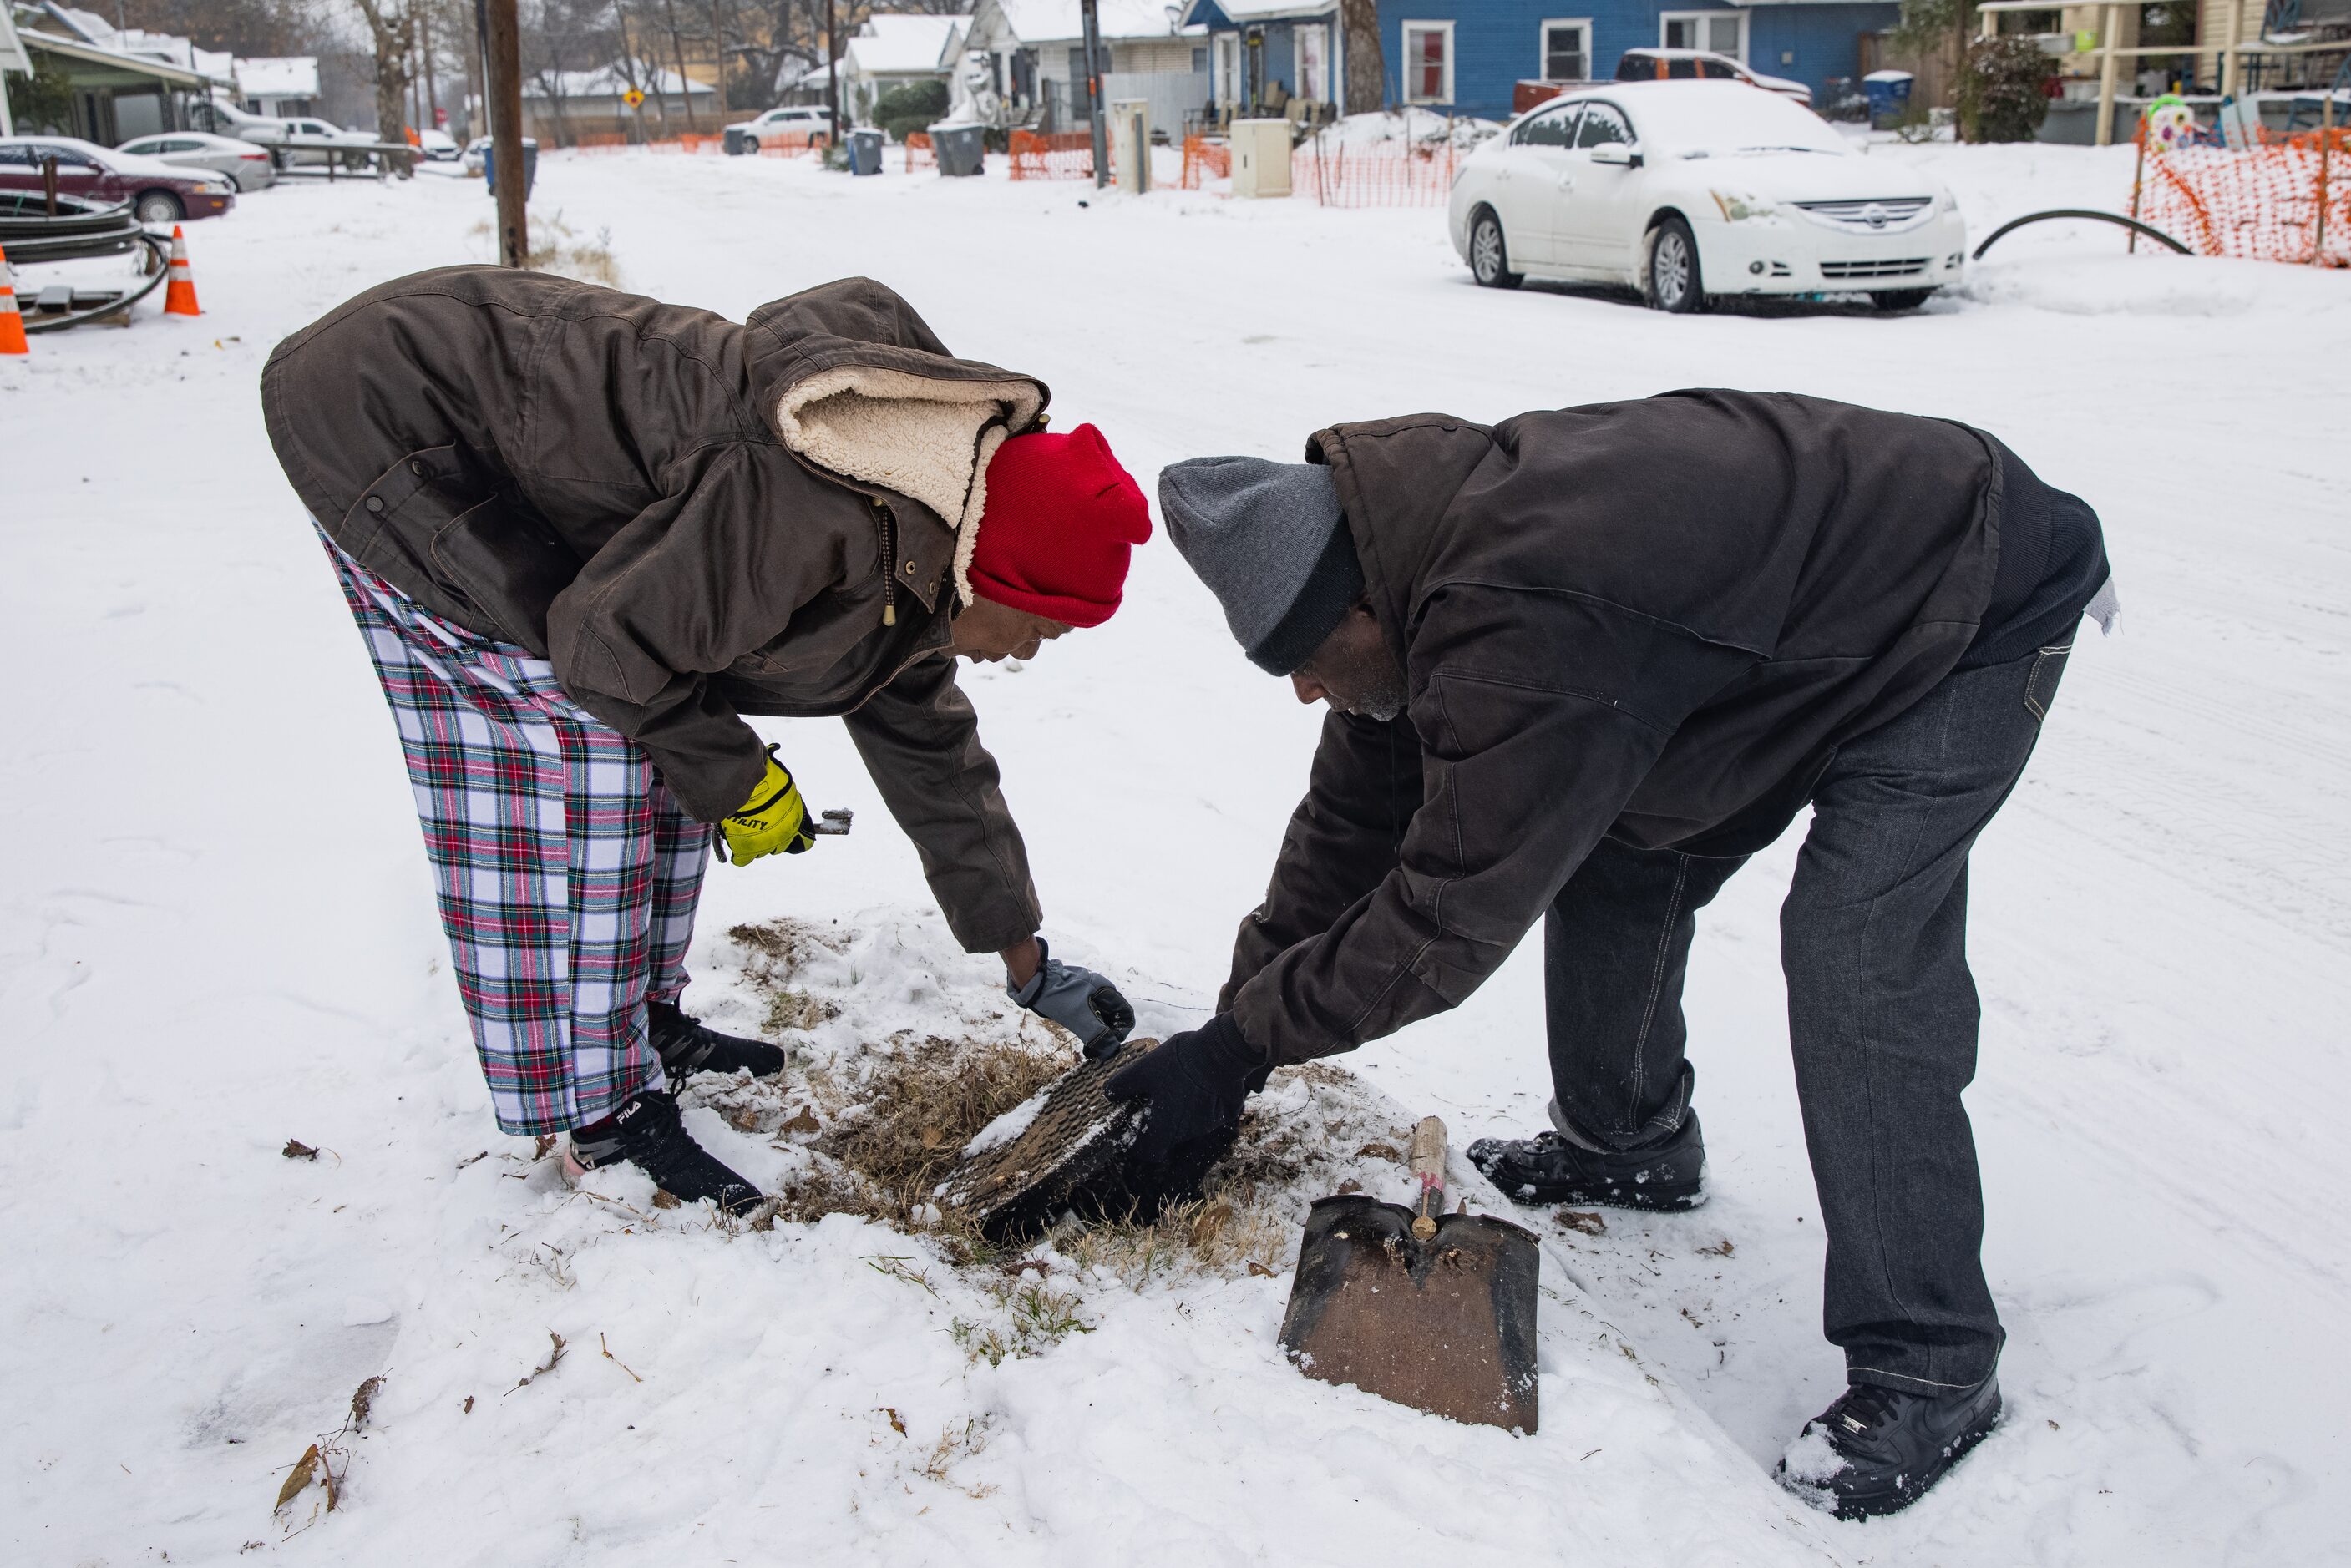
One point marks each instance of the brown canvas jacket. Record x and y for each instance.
(1654, 619)
(692, 519)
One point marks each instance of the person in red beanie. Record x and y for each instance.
(1059, 519)
(583, 534)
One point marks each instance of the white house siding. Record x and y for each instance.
(1173, 95)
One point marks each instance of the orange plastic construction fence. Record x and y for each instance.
(1204, 160)
(1057, 155)
(682, 142)
(1373, 173)
(2286, 200)
(920, 154)
(789, 143)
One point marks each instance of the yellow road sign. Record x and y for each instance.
(633, 98)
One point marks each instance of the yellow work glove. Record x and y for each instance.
(774, 821)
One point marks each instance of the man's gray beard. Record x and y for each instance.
(1386, 700)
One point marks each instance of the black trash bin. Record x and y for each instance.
(529, 166)
(731, 141)
(962, 149)
(864, 152)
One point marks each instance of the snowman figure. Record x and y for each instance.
(2170, 124)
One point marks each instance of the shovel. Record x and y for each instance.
(1432, 1309)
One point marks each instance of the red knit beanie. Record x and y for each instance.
(1060, 518)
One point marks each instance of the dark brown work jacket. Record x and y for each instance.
(692, 519)
(1656, 620)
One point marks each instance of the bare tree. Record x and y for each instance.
(396, 35)
(568, 36)
(249, 28)
(1367, 71)
(677, 53)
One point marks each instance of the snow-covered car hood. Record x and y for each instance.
(1804, 176)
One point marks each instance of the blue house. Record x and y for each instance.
(1465, 57)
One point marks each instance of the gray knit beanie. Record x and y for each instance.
(1269, 541)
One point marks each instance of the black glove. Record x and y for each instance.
(1192, 1088)
(1080, 1001)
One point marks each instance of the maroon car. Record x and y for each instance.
(158, 191)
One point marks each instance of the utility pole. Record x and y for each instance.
(502, 68)
(1096, 121)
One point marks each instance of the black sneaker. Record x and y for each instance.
(1876, 1450)
(648, 1134)
(689, 1045)
(1547, 1168)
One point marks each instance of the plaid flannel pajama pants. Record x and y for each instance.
(567, 874)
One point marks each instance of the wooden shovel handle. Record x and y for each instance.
(1429, 1165)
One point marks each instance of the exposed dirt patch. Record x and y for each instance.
(877, 1120)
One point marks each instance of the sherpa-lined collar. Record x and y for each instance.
(879, 409)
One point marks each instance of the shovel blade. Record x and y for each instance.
(1446, 1325)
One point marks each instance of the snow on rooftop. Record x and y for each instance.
(281, 76)
(139, 43)
(1260, 10)
(90, 25)
(892, 44)
(1044, 21)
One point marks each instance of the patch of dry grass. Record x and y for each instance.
(882, 1127)
(773, 955)
(956, 1444)
(1036, 1317)
(557, 247)
(904, 1119)
(1228, 1232)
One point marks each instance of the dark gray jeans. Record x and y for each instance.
(1882, 1013)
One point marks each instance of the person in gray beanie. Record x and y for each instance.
(1266, 538)
(1580, 666)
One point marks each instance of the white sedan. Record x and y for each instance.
(1694, 190)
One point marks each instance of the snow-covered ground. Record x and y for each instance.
(218, 935)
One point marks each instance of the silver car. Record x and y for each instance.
(241, 162)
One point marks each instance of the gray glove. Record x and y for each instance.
(1080, 1001)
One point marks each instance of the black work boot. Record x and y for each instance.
(646, 1132)
(1876, 1450)
(1547, 1168)
(689, 1045)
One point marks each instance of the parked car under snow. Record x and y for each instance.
(1690, 191)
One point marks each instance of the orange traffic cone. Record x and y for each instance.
(180, 294)
(12, 324)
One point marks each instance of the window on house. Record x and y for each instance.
(1720, 32)
(1566, 51)
(1428, 62)
(1313, 47)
